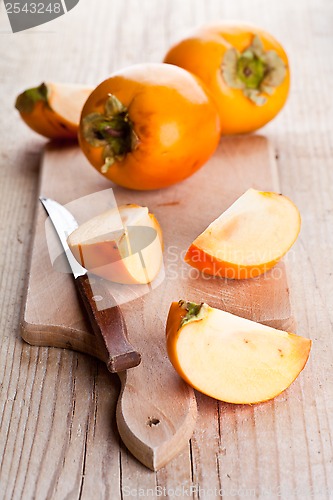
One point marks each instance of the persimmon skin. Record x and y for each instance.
(212, 266)
(46, 122)
(172, 330)
(202, 54)
(174, 118)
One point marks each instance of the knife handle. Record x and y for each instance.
(108, 325)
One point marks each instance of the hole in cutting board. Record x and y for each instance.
(152, 421)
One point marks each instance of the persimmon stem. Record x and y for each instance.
(195, 312)
(250, 70)
(26, 101)
(111, 130)
(254, 71)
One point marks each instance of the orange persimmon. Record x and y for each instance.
(243, 66)
(149, 126)
(53, 109)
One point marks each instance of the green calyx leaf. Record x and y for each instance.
(250, 70)
(26, 101)
(195, 312)
(255, 71)
(111, 130)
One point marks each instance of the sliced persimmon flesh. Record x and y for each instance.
(67, 100)
(123, 245)
(231, 358)
(249, 238)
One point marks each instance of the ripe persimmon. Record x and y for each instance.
(149, 126)
(244, 67)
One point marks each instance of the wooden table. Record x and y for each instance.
(57, 428)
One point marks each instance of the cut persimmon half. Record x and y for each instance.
(53, 109)
(230, 358)
(123, 245)
(249, 238)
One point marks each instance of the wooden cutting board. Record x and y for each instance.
(156, 410)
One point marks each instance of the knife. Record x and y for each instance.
(108, 324)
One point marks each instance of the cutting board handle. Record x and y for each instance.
(108, 325)
(154, 433)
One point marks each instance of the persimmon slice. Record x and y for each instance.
(123, 245)
(231, 358)
(53, 109)
(249, 238)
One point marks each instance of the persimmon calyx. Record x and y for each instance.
(255, 71)
(111, 130)
(26, 101)
(195, 312)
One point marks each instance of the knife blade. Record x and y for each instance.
(108, 324)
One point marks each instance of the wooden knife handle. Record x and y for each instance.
(108, 325)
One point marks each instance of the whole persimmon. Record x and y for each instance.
(149, 126)
(244, 67)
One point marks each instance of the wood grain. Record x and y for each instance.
(56, 406)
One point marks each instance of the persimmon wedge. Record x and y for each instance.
(249, 238)
(53, 109)
(123, 245)
(231, 358)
